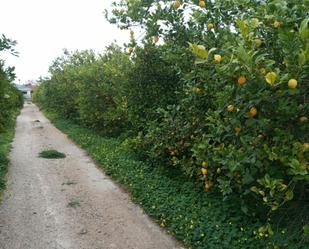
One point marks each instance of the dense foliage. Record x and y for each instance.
(200, 220)
(6, 137)
(10, 98)
(10, 102)
(86, 88)
(217, 89)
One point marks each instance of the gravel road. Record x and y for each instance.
(67, 203)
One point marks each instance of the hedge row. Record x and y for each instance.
(6, 137)
(216, 89)
(11, 101)
(199, 220)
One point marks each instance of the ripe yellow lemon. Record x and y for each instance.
(271, 78)
(237, 130)
(208, 185)
(253, 112)
(218, 58)
(204, 171)
(155, 39)
(242, 80)
(292, 83)
(277, 24)
(210, 26)
(202, 4)
(230, 108)
(258, 42)
(197, 90)
(303, 119)
(176, 4)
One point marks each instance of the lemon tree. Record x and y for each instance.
(10, 98)
(242, 99)
(217, 90)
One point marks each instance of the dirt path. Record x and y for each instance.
(36, 214)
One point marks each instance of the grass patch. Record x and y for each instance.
(51, 154)
(69, 183)
(6, 137)
(201, 220)
(73, 204)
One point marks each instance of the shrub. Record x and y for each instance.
(102, 103)
(88, 88)
(151, 84)
(241, 123)
(224, 98)
(11, 100)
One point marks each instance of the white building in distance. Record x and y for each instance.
(27, 90)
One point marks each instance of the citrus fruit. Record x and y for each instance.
(252, 113)
(242, 80)
(230, 108)
(202, 4)
(176, 4)
(218, 58)
(292, 83)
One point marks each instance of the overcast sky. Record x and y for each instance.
(43, 28)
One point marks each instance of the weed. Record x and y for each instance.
(73, 204)
(69, 183)
(51, 154)
(6, 137)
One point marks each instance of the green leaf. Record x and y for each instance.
(212, 50)
(254, 189)
(306, 229)
(303, 30)
(274, 207)
(243, 27)
(200, 61)
(244, 208)
(247, 178)
(243, 55)
(289, 195)
(297, 168)
(199, 50)
(303, 57)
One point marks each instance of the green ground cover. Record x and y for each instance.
(199, 219)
